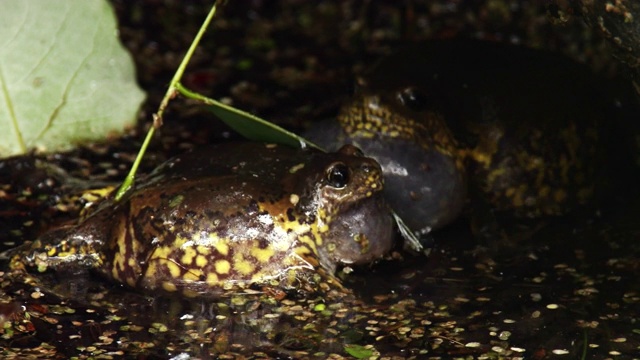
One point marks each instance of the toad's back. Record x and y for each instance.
(448, 120)
(231, 216)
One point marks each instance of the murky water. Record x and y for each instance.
(570, 289)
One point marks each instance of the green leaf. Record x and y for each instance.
(248, 125)
(254, 128)
(64, 75)
(358, 351)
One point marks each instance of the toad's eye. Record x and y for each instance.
(413, 98)
(338, 175)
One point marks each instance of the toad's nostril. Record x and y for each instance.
(366, 168)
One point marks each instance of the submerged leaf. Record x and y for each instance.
(64, 75)
(358, 351)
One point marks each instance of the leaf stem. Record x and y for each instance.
(170, 94)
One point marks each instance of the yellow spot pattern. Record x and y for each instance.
(212, 279)
(169, 286)
(193, 275)
(201, 261)
(189, 255)
(221, 246)
(222, 267)
(262, 255)
(174, 269)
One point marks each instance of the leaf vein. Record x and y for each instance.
(52, 46)
(14, 121)
(65, 94)
(18, 29)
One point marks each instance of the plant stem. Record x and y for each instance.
(170, 94)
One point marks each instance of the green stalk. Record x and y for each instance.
(157, 117)
(250, 126)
